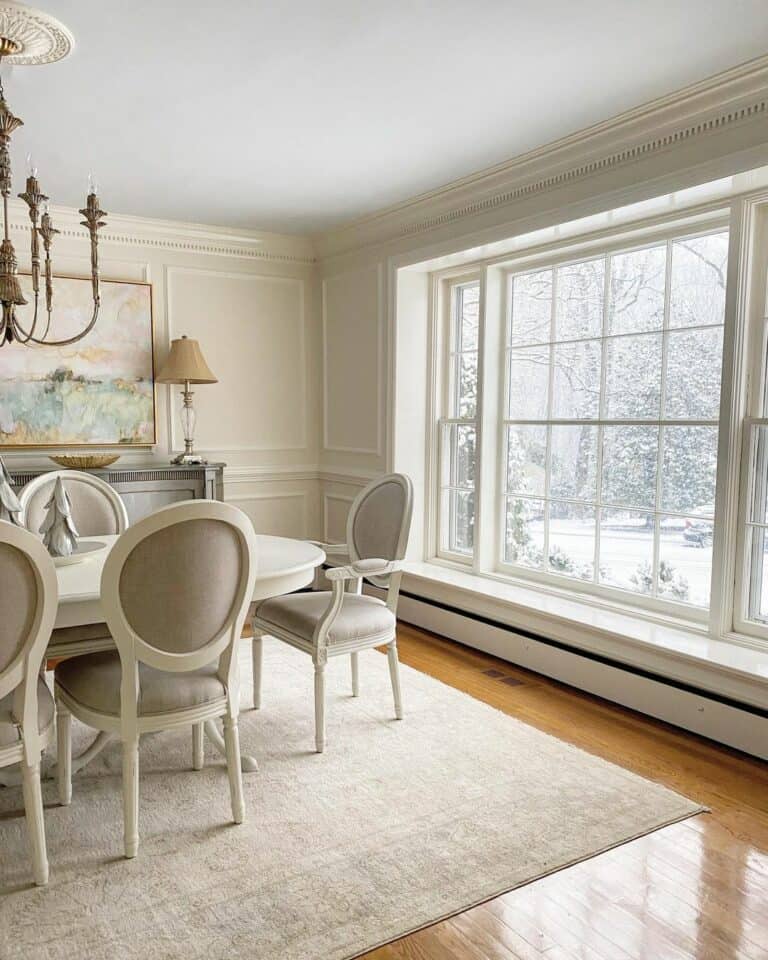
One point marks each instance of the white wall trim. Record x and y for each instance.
(692, 711)
(302, 495)
(264, 474)
(269, 474)
(682, 120)
(252, 497)
(178, 236)
(327, 498)
(172, 411)
(349, 476)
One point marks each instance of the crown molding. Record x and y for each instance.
(177, 236)
(684, 119)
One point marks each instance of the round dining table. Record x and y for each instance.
(283, 565)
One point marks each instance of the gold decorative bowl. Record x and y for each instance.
(88, 461)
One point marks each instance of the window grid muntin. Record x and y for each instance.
(598, 505)
(449, 491)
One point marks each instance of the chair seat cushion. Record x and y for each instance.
(94, 682)
(360, 618)
(9, 733)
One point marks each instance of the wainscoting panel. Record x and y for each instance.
(279, 514)
(353, 361)
(335, 509)
(252, 330)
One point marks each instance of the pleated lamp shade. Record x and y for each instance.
(185, 362)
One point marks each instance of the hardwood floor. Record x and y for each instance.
(697, 889)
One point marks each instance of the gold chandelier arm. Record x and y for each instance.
(58, 343)
(17, 329)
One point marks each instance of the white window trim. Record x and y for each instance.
(442, 352)
(740, 215)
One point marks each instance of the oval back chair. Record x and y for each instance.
(96, 507)
(343, 621)
(28, 602)
(176, 588)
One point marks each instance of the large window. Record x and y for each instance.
(752, 605)
(605, 405)
(613, 393)
(458, 428)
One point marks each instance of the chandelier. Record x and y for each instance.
(29, 36)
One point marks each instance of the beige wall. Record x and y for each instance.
(251, 300)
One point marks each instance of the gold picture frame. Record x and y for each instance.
(96, 393)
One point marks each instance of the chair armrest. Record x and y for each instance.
(375, 567)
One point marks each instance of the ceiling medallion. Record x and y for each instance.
(38, 37)
(28, 36)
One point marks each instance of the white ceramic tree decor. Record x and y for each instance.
(10, 508)
(58, 529)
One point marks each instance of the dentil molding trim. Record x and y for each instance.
(726, 101)
(177, 236)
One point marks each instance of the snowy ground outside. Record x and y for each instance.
(621, 550)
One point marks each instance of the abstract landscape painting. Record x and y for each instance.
(96, 392)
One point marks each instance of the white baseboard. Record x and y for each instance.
(723, 722)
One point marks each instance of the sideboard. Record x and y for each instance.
(146, 487)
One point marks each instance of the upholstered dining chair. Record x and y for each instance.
(176, 588)
(28, 600)
(97, 509)
(345, 621)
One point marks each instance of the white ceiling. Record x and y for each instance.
(297, 116)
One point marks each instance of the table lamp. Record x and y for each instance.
(186, 364)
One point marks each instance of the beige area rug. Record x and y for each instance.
(397, 825)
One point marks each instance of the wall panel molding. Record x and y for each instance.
(175, 444)
(328, 498)
(301, 529)
(377, 449)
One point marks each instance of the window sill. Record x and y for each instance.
(687, 655)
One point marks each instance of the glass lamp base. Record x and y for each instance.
(193, 458)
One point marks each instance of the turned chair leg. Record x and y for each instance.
(257, 654)
(232, 742)
(131, 796)
(198, 746)
(355, 675)
(64, 753)
(33, 808)
(394, 673)
(320, 707)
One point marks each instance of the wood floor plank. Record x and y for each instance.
(696, 889)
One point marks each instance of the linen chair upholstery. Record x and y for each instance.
(176, 589)
(28, 601)
(97, 509)
(330, 623)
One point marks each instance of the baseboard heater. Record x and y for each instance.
(736, 724)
